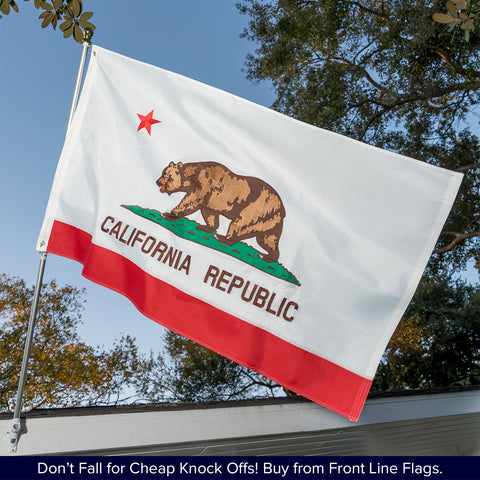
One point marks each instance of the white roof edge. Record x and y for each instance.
(148, 429)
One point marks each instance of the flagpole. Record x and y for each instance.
(16, 428)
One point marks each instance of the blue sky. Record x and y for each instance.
(38, 67)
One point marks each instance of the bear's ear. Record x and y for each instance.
(171, 164)
(179, 164)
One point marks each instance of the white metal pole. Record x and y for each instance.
(16, 428)
(87, 38)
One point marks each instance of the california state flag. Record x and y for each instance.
(289, 249)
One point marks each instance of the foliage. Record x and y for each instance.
(437, 343)
(384, 73)
(71, 11)
(460, 13)
(188, 372)
(63, 371)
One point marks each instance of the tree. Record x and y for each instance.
(63, 371)
(437, 343)
(71, 11)
(383, 72)
(188, 372)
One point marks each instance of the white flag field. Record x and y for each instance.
(289, 249)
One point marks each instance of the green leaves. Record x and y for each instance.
(445, 18)
(437, 343)
(188, 372)
(76, 21)
(5, 6)
(63, 370)
(461, 13)
(71, 11)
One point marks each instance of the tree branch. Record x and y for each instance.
(465, 168)
(382, 15)
(441, 53)
(422, 96)
(459, 237)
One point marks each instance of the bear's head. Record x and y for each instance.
(171, 180)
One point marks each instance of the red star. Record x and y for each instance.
(146, 121)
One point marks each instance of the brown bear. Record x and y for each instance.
(254, 207)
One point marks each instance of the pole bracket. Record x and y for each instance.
(14, 434)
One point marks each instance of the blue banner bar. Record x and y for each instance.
(236, 468)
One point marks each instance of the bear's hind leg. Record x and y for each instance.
(234, 233)
(269, 242)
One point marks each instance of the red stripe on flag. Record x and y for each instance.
(303, 372)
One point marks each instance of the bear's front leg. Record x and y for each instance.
(190, 204)
(211, 219)
(225, 240)
(170, 216)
